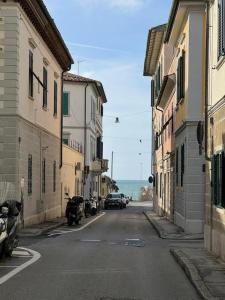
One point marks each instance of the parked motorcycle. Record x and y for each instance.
(74, 210)
(90, 208)
(9, 221)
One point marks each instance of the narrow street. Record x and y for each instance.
(119, 256)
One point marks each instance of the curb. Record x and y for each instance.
(170, 236)
(192, 273)
(41, 231)
(158, 229)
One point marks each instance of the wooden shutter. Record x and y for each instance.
(65, 104)
(152, 92)
(55, 97)
(221, 30)
(182, 76)
(31, 80)
(178, 81)
(182, 164)
(45, 87)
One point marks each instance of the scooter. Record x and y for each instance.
(74, 210)
(9, 221)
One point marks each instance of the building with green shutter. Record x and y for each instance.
(215, 132)
(83, 101)
(33, 58)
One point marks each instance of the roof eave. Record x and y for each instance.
(155, 37)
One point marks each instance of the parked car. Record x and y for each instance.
(114, 200)
(124, 199)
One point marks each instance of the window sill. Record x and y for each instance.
(31, 98)
(66, 116)
(220, 63)
(55, 116)
(44, 108)
(220, 209)
(179, 103)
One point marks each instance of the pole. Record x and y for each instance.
(112, 167)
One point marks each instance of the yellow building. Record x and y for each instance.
(215, 129)
(71, 174)
(186, 33)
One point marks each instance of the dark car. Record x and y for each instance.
(114, 200)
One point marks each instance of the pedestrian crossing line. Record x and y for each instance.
(91, 241)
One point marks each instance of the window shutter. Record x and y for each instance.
(223, 183)
(221, 31)
(178, 81)
(31, 80)
(177, 166)
(65, 104)
(182, 76)
(152, 92)
(55, 97)
(45, 87)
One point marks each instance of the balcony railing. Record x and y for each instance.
(100, 165)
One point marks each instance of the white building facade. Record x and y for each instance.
(83, 102)
(32, 60)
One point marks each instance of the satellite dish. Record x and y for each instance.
(200, 132)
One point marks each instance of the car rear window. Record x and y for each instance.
(113, 196)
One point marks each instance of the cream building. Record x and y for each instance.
(71, 173)
(33, 58)
(215, 129)
(82, 125)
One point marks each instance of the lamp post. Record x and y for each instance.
(112, 166)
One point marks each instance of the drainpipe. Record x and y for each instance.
(85, 133)
(207, 158)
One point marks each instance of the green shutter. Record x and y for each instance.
(65, 104)
(152, 92)
(45, 87)
(55, 97)
(221, 31)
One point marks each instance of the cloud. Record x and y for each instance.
(94, 47)
(126, 4)
(123, 5)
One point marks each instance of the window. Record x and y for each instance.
(45, 87)
(221, 29)
(93, 109)
(218, 177)
(160, 187)
(66, 138)
(54, 176)
(55, 97)
(102, 110)
(177, 166)
(156, 183)
(43, 175)
(182, 166)
(66, 104)
(31, 79)
(158, 81)
(152, 92)
(181, 77)
(29, 182)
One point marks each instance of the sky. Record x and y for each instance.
(108, 38)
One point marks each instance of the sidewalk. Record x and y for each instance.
(204, 270)
(39, 229)
(168, 230)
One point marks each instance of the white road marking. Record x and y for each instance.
(134, 240)
(95, 241)
(80, 228)
(35, 257)
(21, 253)
(8, 266)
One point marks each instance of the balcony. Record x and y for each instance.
(99, 165)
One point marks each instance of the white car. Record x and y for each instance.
(124, 200)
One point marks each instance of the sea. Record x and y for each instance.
(132, 188)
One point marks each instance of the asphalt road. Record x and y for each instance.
(117, 257)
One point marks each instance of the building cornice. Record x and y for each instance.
(45, 25)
